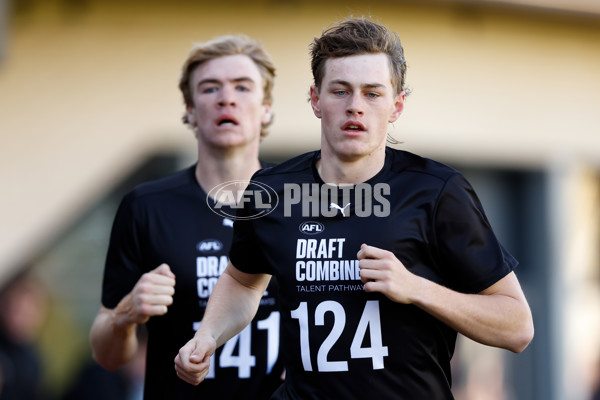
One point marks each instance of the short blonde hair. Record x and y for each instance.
(229, 45)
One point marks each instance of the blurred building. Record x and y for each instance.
(506, 91)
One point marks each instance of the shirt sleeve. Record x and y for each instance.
(124, 262)
(467, 248)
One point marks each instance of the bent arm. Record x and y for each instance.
(113, 339)
(498, 316)
(232, 304)
(231, 307)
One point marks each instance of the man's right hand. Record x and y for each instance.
(150, 296)
(192, 363)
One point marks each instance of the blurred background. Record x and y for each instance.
(508, 92)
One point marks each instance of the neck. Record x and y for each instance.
(216, 166)
(335, 170)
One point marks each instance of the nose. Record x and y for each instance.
(227, 96)
(355, 106)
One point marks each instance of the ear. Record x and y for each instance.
(314, 101)
(190, 116)
(398, 107)
(267, 114)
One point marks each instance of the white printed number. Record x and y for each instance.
(370, 319)
(244, 360)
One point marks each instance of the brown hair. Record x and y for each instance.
(356, 36)
(228, 45)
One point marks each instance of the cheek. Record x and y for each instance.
(330, 112)
(327, 120)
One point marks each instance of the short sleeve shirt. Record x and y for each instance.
(169, 221)
(340, 341)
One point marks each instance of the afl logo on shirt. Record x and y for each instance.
(229, 197)
(311, 227)
(209, 246)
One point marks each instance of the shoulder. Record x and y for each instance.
(154, 189)
(404, 162)
(296, 165)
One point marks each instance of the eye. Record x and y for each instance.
(209, 89)
(339, 92)
(373, 95)
(242, 88)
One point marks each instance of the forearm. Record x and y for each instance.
(491, 318)
(497, 316)
(232, 304)
(113, 339)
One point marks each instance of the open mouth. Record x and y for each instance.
(227, 121)
(354, 127)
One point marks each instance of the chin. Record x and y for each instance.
(352, 151)
(230, 141)
(348, 156)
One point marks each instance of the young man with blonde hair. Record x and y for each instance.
(382, 256)
(168, 247)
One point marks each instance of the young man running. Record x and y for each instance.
(382, 256)
(168, 247)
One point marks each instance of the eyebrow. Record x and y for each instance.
(218, 81)
(363, 86)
